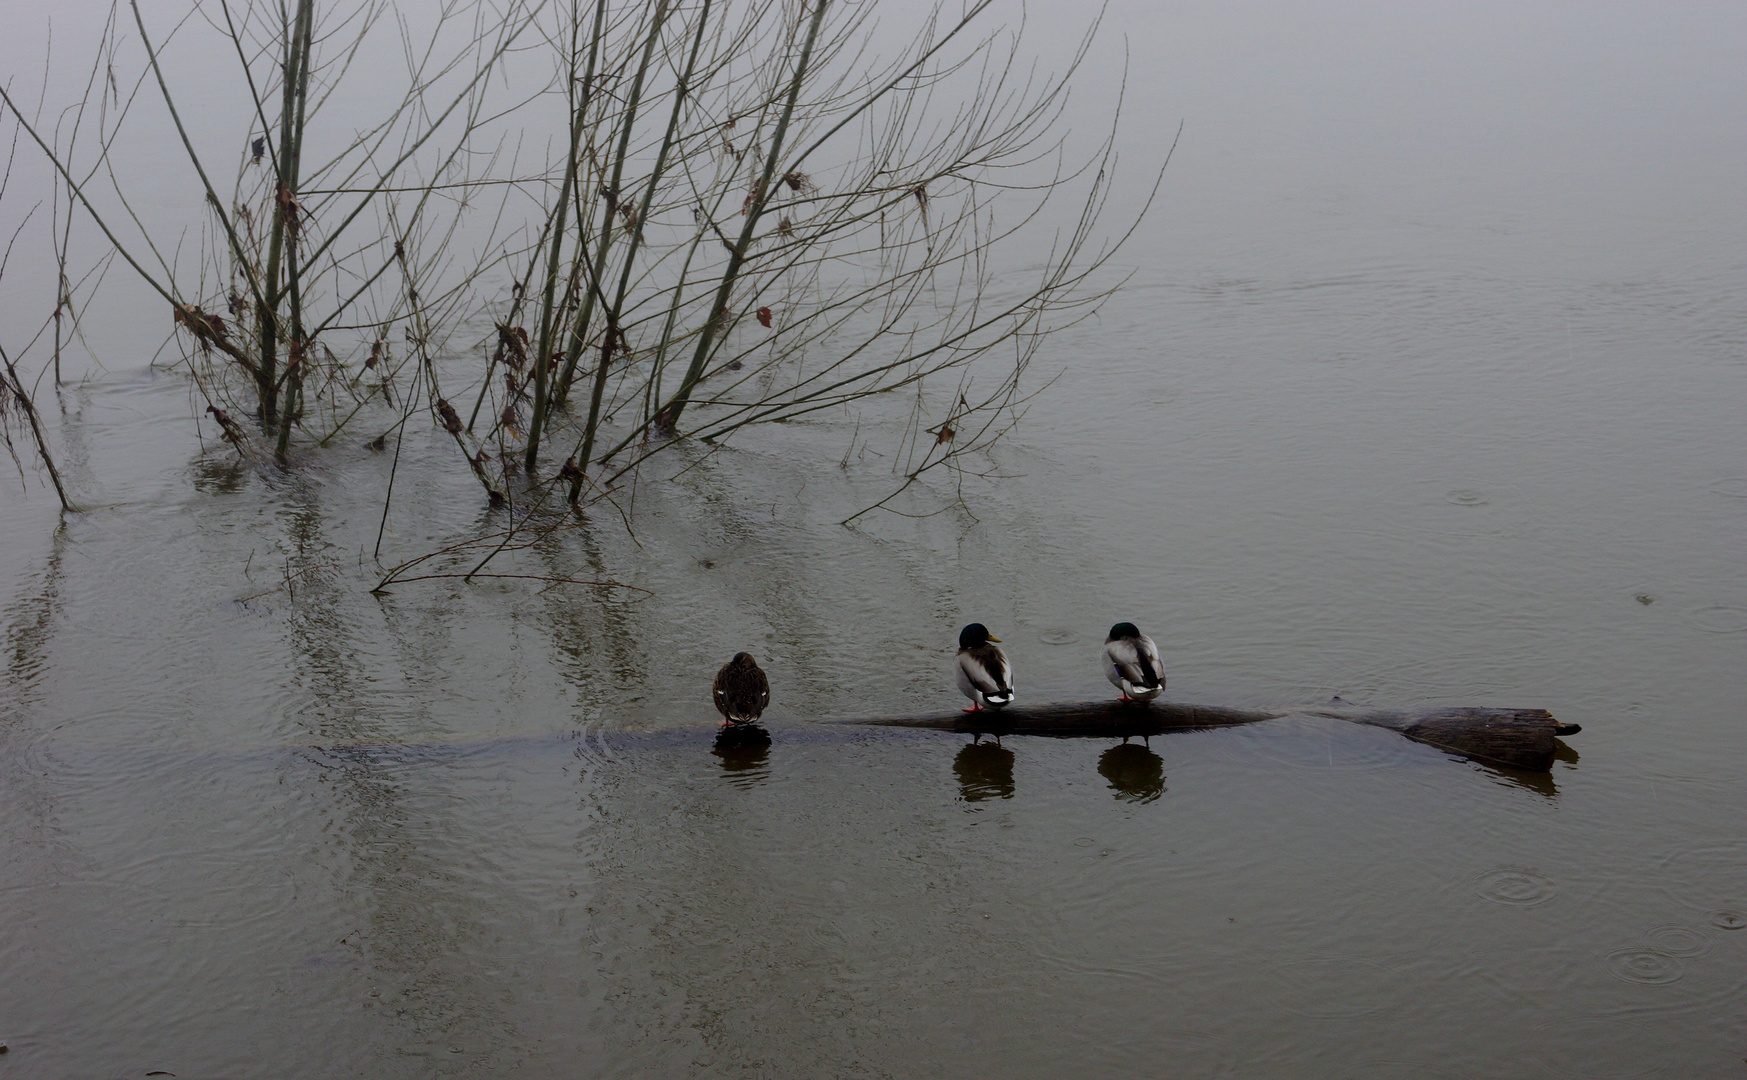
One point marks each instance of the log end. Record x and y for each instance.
(1510, 738)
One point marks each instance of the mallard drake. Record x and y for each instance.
(1131, 662)
(741, 691)
(984, 675)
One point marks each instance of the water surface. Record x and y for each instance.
(1426, 390)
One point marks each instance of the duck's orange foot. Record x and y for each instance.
(973, 708)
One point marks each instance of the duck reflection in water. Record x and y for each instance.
(984, 771)
(744, 750)
(1136, 774)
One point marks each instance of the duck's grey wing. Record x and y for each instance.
(978, 675)
(1130, 660)
(1006, 671)
(995, 663)
(1112, 670)
(1150, 652)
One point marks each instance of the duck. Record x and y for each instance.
(984, 675)
(1131, 662)
(741, 691)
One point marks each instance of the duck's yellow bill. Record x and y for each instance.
(995, 639)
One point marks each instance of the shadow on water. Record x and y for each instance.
(1136, 774)
(600, 637)
(1542, 784)
(393, 819)
(984, 771)
(27, 639)
(745, 754)
(29, 630)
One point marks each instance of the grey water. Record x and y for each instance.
(1427, 388)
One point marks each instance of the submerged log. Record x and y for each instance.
(1507, 738)
(1512, 738)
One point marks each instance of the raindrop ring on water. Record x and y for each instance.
(1707, 876)
(1729, 920)
(1682, 941)
(1733, 486)
(1644, 966)
(1340, 987)
(1515, 886)
(1718, 618)
(1467, 497)
(1058, 636)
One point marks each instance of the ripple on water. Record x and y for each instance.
(1467, 497)
(1338, 987)
(1058, 636)
(1192, 1051)
(1735, 487)
(1681, 941)
(1405, 1068)
(1729, 920)
(1644, 966)
(1596, 1048)
(1718, 618)
(1708, 877)
(1515, 886)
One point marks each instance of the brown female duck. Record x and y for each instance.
(741, 691)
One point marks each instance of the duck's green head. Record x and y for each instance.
(974, 635)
